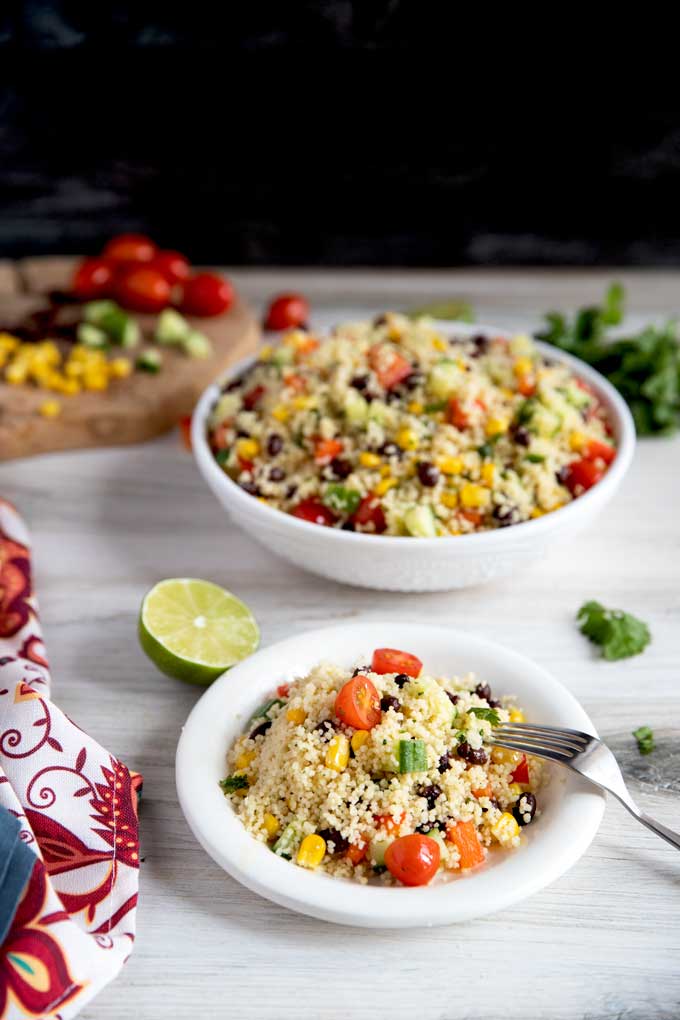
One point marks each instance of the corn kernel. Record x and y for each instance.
(439, 344)
(474, 496)
(16, 373)
(50, 409)
(244, 759)
(450, 465)
(337, 754)
(266, 352)
(281, 413)
(359, 738)
(296, 716)
(523, 366)
(247, 449)
(506, 829)
(516, 715)
(271, 824)
(384, 486)
(488, 472)
(536, 513)
(368, 459)
(385, 470)
(95, 379)
(120, 368)
(312, 851)
(496, 427)
(303, 403)
(407, 439)
(449, 499)
(515, 789)
(504, 756)
(577, 441)
(415, 407)
(8, 342)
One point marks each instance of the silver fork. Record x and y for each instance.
(583, 753)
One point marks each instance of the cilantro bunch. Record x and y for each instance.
(644, 368)
(619, 634)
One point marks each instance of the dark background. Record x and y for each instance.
(317, 133)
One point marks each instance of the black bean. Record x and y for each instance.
(492, 803)
(483, 691)
(242, 434)
(401, 679)
(464, 750)
(453, 698)
(481, 344)
(389, 702)
(525, 806)
(359, 382)
(340, 468)
(493, 703)
(413, 380)
(477, 756)
(506, 514)
(428, 473)
(390, 449)
(277, 474)
(392, 397)
(250, 488)
(521, 435)
(445, 762)
(339, 842)
(326, 727)
(348, 526)
(290, 491)
(361, 669)
(380, 320)
(429, 826)
(562, 474)
(274, 444)
(261, 729)
(431, 794)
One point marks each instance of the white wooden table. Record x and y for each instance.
(603, 941)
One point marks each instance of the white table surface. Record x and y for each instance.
(603, 941)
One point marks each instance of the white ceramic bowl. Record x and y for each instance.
(419, 564)
(571, 810)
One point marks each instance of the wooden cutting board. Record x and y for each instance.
(131, 410)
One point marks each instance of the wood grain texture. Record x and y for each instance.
(131, 410)
(602, 942)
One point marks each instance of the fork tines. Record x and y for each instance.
(545, 741)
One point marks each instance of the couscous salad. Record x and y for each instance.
(391, 427)
(382, 771)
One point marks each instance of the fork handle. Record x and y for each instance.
(661, 830)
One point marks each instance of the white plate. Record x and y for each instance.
(571, 810)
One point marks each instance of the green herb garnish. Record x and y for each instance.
(341, 499)
(233, 783)
(619, 634)
(436, 405)
(490, 714)
(535, 458)
(645, 739)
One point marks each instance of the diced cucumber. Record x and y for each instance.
(91, 336)
(444, 379)
(149, 361)
(436, 835)
(226, 407)
(121, 328)
(197, 345)
(521, 345)
(288, 841)
(283, 356)
(576, 396)
(380, 412)
(171, 328)
(95, 311)
(356, 408)
(545, 422)
(420, 521)
(412, 755)
(376, 850)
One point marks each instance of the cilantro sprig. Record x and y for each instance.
(490, 714)
(619, 634)
(645, 739)
(233, 783)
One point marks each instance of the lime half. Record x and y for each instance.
(193, 630)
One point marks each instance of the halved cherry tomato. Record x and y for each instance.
(283, 690)
(93, 278)
(313, 511)
(244, 464)
(389, 823)
(143, 289)
(326, 449)
(582, 474)
(370, 511)
(390, 367)
(455, 415)
(185, 431)
(391, 660)
(174, 266)
(464, 836)
(414, 859)
(595, 450)
(130, 248)
(252, 397)
(358, 703)
(356, 852)
(206, 295)
(287, 311)
(521, 773)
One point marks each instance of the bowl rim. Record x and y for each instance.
(552, 850)
(621, 420)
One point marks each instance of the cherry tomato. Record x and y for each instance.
(283, 690)
(185, 431)
(389, 366)
(174, 267)
(287, 311)
(358, 703)
(326, 449)
(595, 450)
(206, 295)
(369, 511)
(389, 823)
(130, 248)
(391, 660)
(253, 397)
(93, 278)
(455, 415)
(582, 474)
(313, 511)
(143, 289)
(521, 773)
(414, 859)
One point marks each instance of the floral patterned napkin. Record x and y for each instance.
(69, 916)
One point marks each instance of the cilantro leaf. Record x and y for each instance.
(233, 783)
(619, 634)
(645, 739)
(490, 714)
